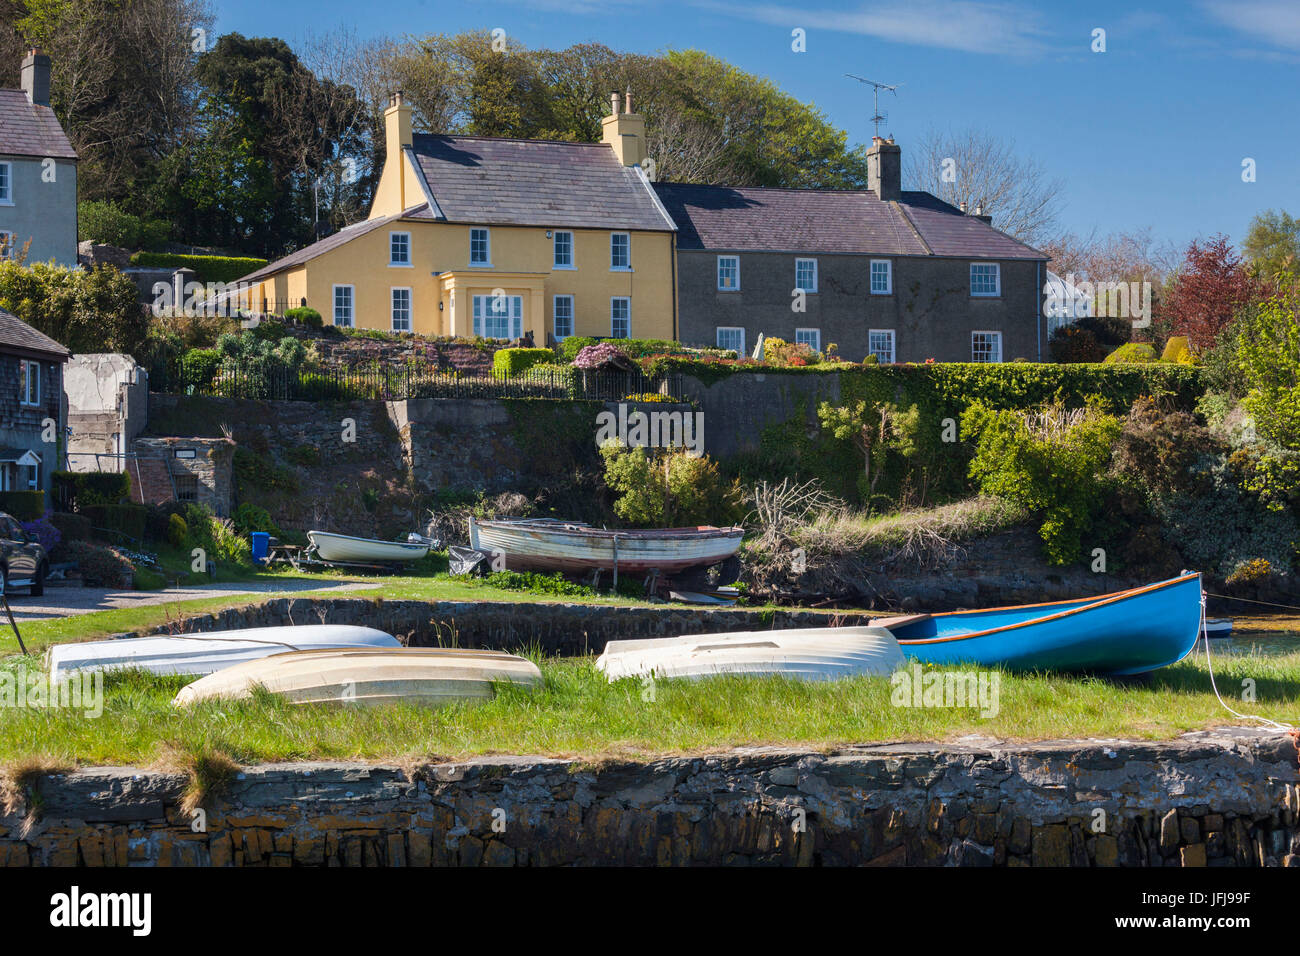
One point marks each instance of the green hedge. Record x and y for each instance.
(207, 268)
(635, 348)
(73, 527)
(77, 490)
(116, 521)
(23, 505)
(507, 363)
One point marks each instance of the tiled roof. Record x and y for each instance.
(17, 336)
(346, 234)
(475, 179)
(846, 222)
(27, 130)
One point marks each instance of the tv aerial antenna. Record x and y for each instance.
(877, 117)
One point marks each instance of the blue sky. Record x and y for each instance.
(1150, 133)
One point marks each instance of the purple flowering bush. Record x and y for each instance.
(45, 533)
(595, 356)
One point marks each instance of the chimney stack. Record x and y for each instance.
(36, 77)
(624, 131)
(885, 169)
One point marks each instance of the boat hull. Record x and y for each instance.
(1120, 634)
(367, 677)
(345, 548)
(545, 546)
(205, 653)
(815, 654)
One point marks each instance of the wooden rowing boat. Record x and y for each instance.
(207, 652)
(423, 675)
(550, 545)
(345, 549)
(822, 653)
(1123, 633)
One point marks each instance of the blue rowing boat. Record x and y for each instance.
(1124, 633)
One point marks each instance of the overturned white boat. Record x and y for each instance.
(205, 653)
(420, 675)
(345, 549)
(823, 653)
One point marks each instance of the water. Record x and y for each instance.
(1260, 634)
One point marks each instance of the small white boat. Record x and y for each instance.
(546, 544)
(1218, 627)
(822, 653)
(424, 675)
(207, 652)
(328, 546)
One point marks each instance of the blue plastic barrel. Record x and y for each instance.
(261, 544)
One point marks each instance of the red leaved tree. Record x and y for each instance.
(1208, 290)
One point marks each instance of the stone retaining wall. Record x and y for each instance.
(552, 627)
(1226, 799)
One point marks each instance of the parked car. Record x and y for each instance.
(23, 561)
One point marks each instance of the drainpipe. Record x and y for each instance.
(1038, 317)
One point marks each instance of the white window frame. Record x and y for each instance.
(627, 304)
(997, 280)
(889, 276)
(351, 322)
(893, 346)
(997, 339)
(406, 263)
(812, 338)
(8, 244)
(740, 352)
(815, 278)
(514, 316)
(7, 188)
(555, 250)
(718, 277)
(487, 247)
(410, 308)
(613, 266)
(555, 316)
(29, 372)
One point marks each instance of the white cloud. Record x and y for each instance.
(1275, 22)
(967, 25)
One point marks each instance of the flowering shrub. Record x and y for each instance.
(595, 356)
(649, 397)
(45, 533)
(782, 353)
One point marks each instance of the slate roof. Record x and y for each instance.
(526, 182)
(846, 222)
(28, 130)
(346, 234)
(16, 336)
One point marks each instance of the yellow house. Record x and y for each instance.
(502, 238)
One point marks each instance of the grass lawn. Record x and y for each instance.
(578, 714)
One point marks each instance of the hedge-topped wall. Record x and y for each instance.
(765, 420)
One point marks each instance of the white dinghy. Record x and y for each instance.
(822, 653)
(422, 675)
(207, 652)
(344, 548)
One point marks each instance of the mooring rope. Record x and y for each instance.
(1288, 607)
(1293, 731)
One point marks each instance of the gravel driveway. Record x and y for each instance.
(70, 601)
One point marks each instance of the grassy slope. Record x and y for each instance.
(579, 714)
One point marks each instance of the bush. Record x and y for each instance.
(199, 368)
(117, 521)
(72, 527)
(1178, 349)
(568, 349)
(44, 531)
(1089, 339)
(1133, 352)
(206, 268)
(674, 489)
(249, 518)
(231, 546)
(108, 223)
(306, 316)
(177, 531)
(99, 566)
(23, 505)
(507, 363)
(1053, 462)
(85, 310)
(77, 490)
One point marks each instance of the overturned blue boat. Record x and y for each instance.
(1119, 634)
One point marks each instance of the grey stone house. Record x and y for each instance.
(32, 416)
(899, 274)
(38, 172)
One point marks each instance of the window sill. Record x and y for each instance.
(986, 295)
(621, 269)
(6, 202)
(481, 265)
(401, 265)
(720, 289)
(564, 268)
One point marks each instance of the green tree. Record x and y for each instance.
(1272, 244)
(875, 431)
(669, 489)
(85, 310)
(1267, 342)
